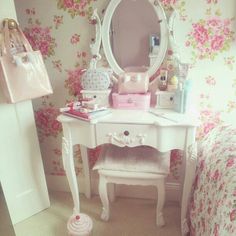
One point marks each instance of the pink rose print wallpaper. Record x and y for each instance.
(62, 30)
(210, 37)
(76, 7)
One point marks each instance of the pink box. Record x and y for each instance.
(131, 101)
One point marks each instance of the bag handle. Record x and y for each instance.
(11, 24)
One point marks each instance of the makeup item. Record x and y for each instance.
(173, 83)
(163, 83)
(186, 95)
(179, 99)
(182, 97)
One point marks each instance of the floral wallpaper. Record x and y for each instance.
(62, 31)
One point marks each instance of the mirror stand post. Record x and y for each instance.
(95, 46)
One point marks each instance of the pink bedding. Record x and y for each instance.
(213, 204)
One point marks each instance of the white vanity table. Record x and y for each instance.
(129, 127)
(122, 128)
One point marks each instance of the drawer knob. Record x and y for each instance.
(126, 133)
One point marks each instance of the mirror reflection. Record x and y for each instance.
(135, 34)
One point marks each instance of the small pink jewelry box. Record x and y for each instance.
(131, 101)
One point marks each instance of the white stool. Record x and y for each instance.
(132, 166)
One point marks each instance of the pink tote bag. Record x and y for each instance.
(23, 75)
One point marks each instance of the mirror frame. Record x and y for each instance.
(106, 36)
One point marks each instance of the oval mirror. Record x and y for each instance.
(135, 34)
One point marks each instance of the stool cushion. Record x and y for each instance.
(136, 159)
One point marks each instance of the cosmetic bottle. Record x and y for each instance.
(186, 95)
(179, 99)
(163, 83)
(182, 101)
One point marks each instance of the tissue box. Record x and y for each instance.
(131, 101)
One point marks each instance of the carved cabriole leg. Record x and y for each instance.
(111, 192)
(84, 155)
(160, 201)
(104, 197)
(68, 162)
(188, 180)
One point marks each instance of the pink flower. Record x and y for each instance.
(57, 152)
(58, 20)
(43, 47)
(73, 81)
(200, 33)
(202, 165)
(75, 39)
(169, 2)
(216, 175)
(230, 162)
(41, 119)
(209, 210)
(234, 193)
(216, 230)
(210, 36)
(212, 1)
(232, 215)
(214, 22)
(56, 125)
(46, 122)
(211, 81)
(217, 42)
(40, 39)
(226, 31)
(83, 3)
(68, 3)
(208, 127)
(187, 43)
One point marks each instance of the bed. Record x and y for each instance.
(212, 210)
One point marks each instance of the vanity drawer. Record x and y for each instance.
(131, 101)
(126, 134)
(165, 99)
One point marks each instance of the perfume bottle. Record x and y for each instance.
(163, 83)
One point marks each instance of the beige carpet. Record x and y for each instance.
(129, 217)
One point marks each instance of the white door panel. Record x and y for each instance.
(21, 168)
